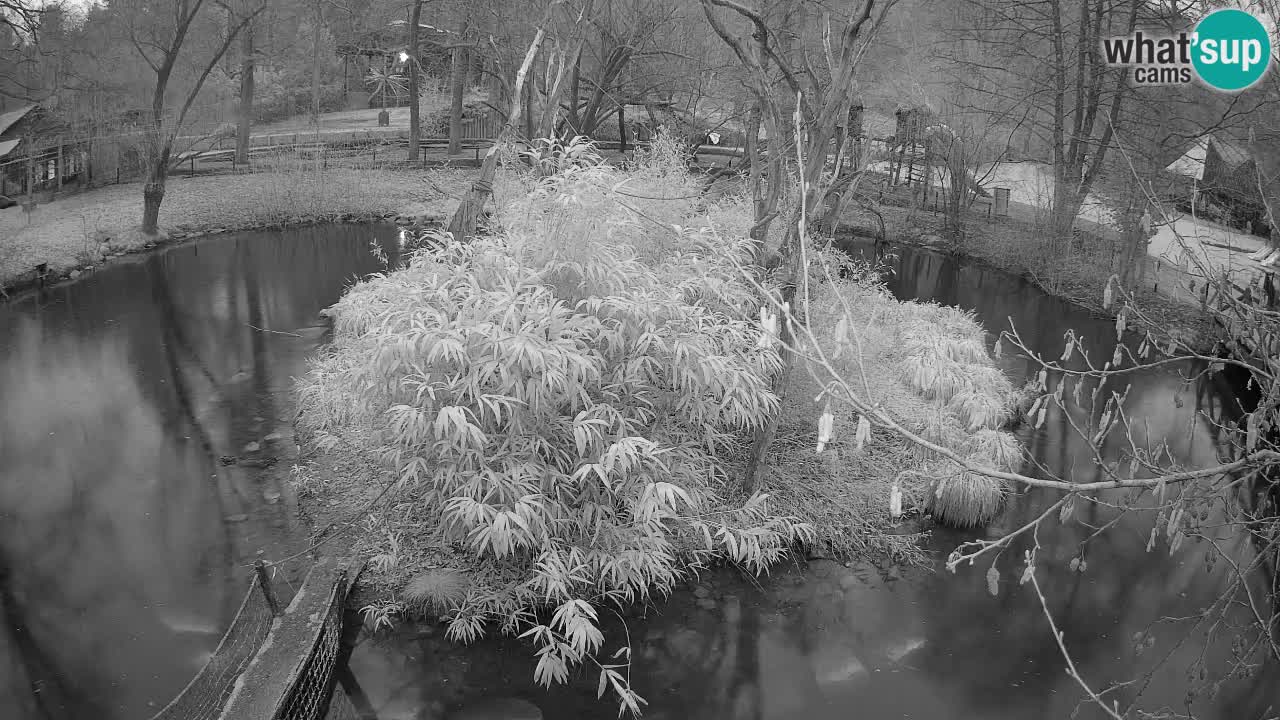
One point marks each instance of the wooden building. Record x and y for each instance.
(37, 153)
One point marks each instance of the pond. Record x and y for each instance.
(124, 532)
(133, 502)
(828, 642)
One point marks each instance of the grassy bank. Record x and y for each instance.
(78, 232)
(1015, 245)
(556, 419)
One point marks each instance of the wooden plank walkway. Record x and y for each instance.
(281, 662)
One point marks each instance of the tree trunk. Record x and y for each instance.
(415, 131)
(526, 97)
(463, 224)
(246, 97)
(317, 21)
(622, 129)
(456, 74)
(575, 92)
(153, 195)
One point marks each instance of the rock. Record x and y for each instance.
(259, 463)
(848, 581)
(237, 518)
(227, 460)
(498, 709)
(271, 496)
(252, 447)
(240, 377)
(276, 436)
(314, 332)
(74, 274)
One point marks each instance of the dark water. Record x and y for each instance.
(829, 642)
(123, 536)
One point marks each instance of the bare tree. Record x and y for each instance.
(818, 72)
(162, 32)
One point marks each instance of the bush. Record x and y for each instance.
(280, 103)
(562, 403)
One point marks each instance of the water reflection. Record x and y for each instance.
(834, 642)
(123, 397)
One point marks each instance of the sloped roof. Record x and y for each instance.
(877, 125)
(7, 146)
(1232, 155)
(1191, 164)
(7, 120)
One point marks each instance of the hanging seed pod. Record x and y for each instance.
(1120, 325)
(993, 581)
(1252, 441)
(1068, 507)
(1027, 573)
(1173, 346)
(1160, 489)
(862, 434)
(1176, 542)
(998, 351)
(1075, 393)
(1118, 357)
(1175, 522)
(1106, 296)
(1057, 392)
(1074, 564)
(1071, 346)
(1151, 541)
(895, 501)
(1133, 467)
(1041, 416)
(825, 422)
(1177, 399)
(1043, 379)
(1035, 406)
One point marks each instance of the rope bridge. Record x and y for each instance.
(274, 663)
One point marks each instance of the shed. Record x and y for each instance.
(36, 153)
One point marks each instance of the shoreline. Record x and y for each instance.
(211, 205)
(1199, 336)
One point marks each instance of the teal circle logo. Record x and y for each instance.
(1232, 50)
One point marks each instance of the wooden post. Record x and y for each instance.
(264, 583)
(59, 166)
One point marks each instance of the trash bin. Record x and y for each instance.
(1001, 208)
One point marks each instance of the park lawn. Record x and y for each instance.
(73, 232)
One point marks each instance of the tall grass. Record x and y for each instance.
(928, 366)
(561, 405)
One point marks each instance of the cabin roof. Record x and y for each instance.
(9, 119)
(7, 146)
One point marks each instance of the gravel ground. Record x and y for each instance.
(78, 230)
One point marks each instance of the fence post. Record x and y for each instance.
(264, 583)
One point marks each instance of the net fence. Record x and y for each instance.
(204, 697)
(308, 694)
